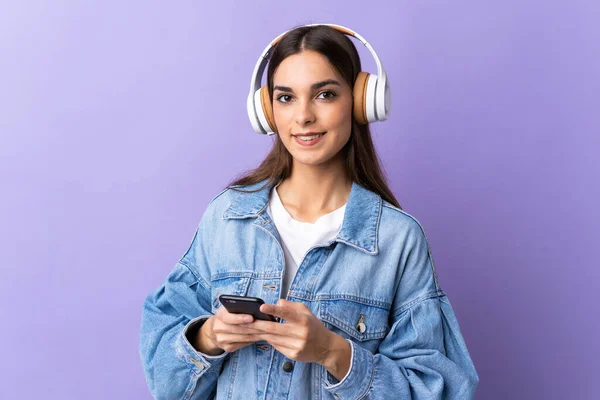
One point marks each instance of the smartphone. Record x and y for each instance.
(246, 305)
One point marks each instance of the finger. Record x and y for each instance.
(279, 340)
(236, 329)
(290, 350)
(270, 327)
(282, 311)
(233, 319)
(231, 347)
(295, 305)
(229, 338)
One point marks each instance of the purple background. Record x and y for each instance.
(121, 120)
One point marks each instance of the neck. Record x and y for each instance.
(314, 190)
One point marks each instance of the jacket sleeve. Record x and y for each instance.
(423, 356)
(172, 367)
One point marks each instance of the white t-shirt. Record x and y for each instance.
(298, 237)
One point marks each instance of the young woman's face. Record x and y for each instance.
(310, 96)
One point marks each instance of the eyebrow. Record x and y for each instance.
(313, 87)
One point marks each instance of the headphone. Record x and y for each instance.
(372, 93)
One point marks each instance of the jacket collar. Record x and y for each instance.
(361, 217)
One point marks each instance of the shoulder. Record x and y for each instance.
(395, 221)
(219, 204)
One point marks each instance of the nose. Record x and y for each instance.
(304, 114)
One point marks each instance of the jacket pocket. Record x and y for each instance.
(236, 286)
(354, 319)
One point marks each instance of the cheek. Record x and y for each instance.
(343, 124)
(343, 113)
(281, 115)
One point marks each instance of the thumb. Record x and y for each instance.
(293, 305)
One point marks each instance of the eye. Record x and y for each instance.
(285, 98)
(281, 97)
(332, 94)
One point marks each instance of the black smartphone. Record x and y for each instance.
(246, 305)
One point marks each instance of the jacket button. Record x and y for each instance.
(288, 366)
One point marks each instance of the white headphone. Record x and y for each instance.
(372, 93)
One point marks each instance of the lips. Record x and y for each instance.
(316, 139)
(307, 134)
(309, 137)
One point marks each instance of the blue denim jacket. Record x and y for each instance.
(378, 270)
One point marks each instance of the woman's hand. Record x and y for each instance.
(303, 337)
(223, 331)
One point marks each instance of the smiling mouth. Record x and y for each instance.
(309, 138)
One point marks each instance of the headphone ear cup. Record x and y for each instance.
(360, 97)
(267, 107)
(364, 92)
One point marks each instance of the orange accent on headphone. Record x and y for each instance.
(267, 106)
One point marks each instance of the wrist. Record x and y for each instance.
(338, 356)
(204, 342)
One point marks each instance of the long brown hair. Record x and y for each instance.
(362, 163)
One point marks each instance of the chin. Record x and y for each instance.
(311, 160)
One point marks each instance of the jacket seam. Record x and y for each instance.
(412, 303)
(355, 299)
(245, 274)
(370, 386)
(219, 195)
(429, 253)
(197, 277)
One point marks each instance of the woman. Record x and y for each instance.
(315, 232)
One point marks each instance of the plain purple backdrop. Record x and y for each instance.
(120, 121)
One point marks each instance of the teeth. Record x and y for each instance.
(309, 138)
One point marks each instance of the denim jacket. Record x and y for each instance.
(378, 272)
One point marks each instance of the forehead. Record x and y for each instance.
(304, 69)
